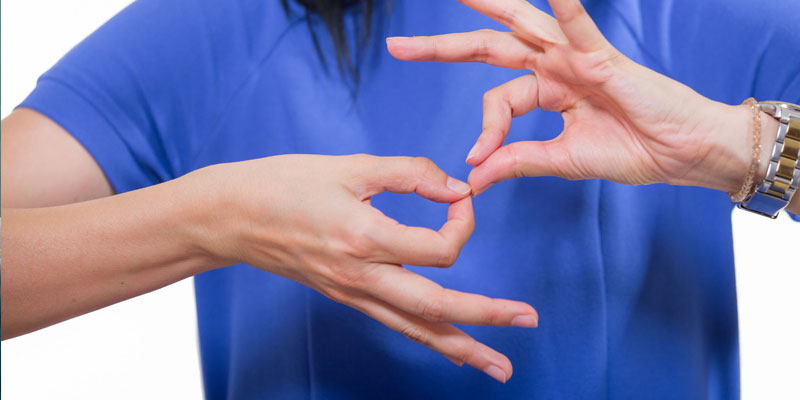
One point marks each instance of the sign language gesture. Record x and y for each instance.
(622, 121)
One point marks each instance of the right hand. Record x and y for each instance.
(309, 218)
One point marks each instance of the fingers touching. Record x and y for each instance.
(406, 175)
(400, 244)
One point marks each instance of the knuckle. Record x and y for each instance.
(424, 163)
(425, 166)
(448, 256)
(514, 161)
(416, 334)
(431, 308)
(490, 96)
(508, 16)
(531, 60)
(465, 351)
(481, 51)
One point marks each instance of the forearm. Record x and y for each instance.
(61, 262)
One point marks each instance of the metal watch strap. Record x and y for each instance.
(783, 171)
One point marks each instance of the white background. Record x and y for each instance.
(147, 347)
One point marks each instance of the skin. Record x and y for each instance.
(71, 246)
(309, 220)
(622, 122)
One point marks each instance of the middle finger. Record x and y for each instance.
(420, 296)
(531, 23)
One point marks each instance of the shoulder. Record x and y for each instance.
(150, 80)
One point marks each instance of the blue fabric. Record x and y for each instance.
(634, 285)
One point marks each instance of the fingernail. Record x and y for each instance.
(495, 373)
(525, 321)
(473, 151)
(454, 361)
(458, 186)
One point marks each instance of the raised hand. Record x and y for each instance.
(622, 121)
(309, 218)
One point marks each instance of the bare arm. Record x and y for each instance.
(63, 255)
(304, 217)
(63, 261)
(43, 165)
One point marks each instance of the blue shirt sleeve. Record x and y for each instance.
(145, 90)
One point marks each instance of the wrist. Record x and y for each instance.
(198, 200)
(728, 155)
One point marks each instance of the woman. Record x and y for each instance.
(635, 283)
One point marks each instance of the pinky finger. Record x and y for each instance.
(444, 338)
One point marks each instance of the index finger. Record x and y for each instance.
(412, 245)
(528, 21)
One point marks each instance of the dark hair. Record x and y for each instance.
(332, 13)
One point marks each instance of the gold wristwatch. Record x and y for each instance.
(783, 171)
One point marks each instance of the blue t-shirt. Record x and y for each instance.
(634, 285)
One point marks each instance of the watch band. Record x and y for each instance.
(783, 171)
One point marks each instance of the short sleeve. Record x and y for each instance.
(143, 92)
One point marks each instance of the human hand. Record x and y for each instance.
(309, 218)
(622, 121)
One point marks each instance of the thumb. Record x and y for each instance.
(550, 158)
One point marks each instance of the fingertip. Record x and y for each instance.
(525, 321)
(400, 47)
(396, 40)
(457, 186)
(496, 372)
(500, 369)
(476, 182)
(471, 156)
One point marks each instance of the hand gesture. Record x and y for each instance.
(622, 122)
(309, 218)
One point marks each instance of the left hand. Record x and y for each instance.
(622, 121)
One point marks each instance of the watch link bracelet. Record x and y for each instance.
(783, 171)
